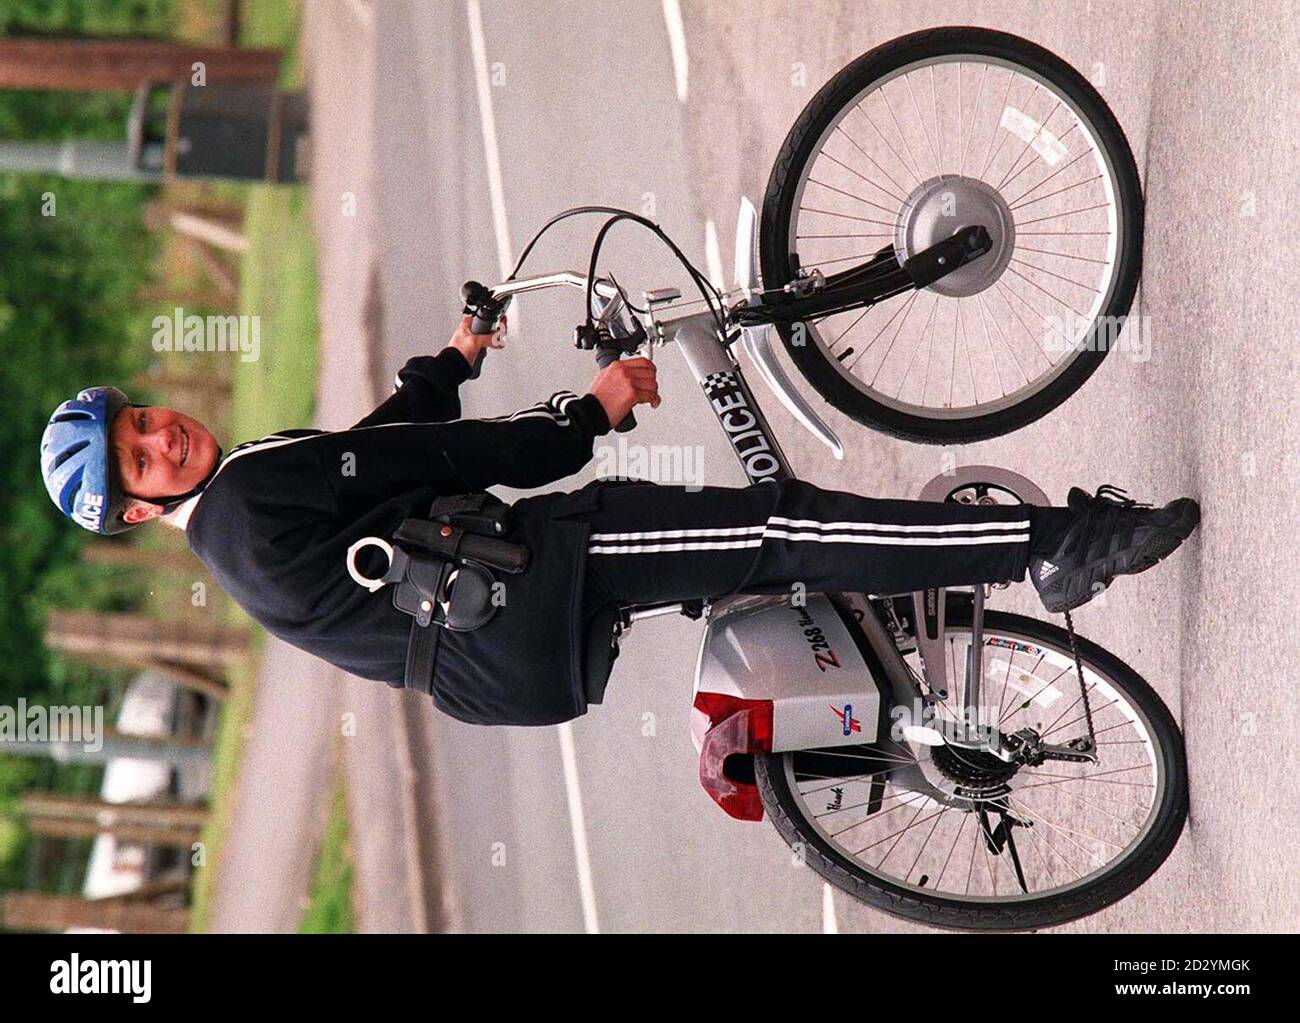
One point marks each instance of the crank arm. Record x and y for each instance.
(1068, 753)
(1026, 747)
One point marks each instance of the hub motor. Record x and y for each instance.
(939, 208)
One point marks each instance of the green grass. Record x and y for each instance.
(329, 910)
(274, 23)
(278, 285)
(276, 392)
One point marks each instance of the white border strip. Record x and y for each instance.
(829, 924)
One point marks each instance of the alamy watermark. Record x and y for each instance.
(662, 463)
(189, 332)
(1071, 333)
(923, 723)
(35, 723)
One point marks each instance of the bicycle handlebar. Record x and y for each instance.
(486, 310)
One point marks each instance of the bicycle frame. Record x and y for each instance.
(718, 372)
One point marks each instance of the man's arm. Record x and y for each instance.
(531, 448)
(427, 386)
(426, 391)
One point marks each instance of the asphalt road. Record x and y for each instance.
(586, 107)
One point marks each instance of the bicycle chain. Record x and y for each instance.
(1083, 686)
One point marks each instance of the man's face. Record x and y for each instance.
(161, 452)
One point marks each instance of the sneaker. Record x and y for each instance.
(1111, 535)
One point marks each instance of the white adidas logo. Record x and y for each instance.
(1047, 569)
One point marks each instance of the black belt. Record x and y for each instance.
(421, 655)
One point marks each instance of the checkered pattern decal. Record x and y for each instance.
(720, 383)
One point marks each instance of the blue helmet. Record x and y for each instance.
(77, 460)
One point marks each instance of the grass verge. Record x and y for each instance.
(329, 910)
(277, 391)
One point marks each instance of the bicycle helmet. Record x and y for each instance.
(77, 460)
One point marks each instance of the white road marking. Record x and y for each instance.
(713, 255)
(496, 190)
(578, 825)
(677, 43)
(829, 924)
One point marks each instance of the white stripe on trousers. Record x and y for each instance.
(753, 536)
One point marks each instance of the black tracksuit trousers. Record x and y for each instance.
(650, 542)
(639, 542)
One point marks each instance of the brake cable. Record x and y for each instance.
(711, 294)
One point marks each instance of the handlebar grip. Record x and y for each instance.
(486, 311)
(482, 324)
(605, 356)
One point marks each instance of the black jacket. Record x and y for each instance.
(275, 523)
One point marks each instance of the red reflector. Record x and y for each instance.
(726, 726)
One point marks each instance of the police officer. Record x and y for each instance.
(274, 519)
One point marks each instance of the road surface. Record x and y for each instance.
(488, 118)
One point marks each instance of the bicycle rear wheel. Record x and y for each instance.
(913, 140)
(958, 839)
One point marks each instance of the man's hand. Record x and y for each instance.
(469, 345)
(624, 384)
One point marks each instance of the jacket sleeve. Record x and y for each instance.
(531, 448)
(425, 391)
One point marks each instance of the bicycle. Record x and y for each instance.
(915, 747)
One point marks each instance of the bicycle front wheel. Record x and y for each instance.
(913, 141)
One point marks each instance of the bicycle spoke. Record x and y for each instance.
(1005, 344)
(1028, 142)
(1050, 273)
(862, 110)
(921, 120)
(850, 195)
(856, 174)
(901, 198)
(1059, 191)
(848, 216)
(1061, 255)
(1001, 290)
(1050, 176)
(926, 330)
(902, 323)
(889, 106)
(1039, 287)
(1067, 213)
